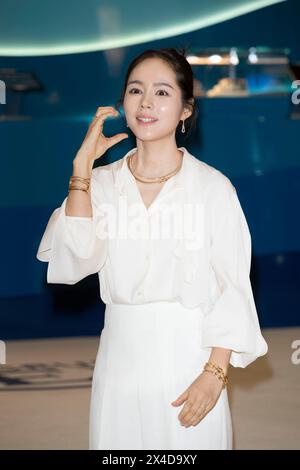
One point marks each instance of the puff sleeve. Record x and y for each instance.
(232, 322)
(71, 245)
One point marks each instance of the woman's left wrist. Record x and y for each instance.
(215, 369)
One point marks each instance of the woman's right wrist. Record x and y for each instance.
(82, 168)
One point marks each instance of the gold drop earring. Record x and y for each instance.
(182, 127)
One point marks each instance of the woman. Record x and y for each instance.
(179, 308)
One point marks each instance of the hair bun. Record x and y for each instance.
(182, 51)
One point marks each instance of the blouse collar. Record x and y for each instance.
(124, 177)
(127, 186)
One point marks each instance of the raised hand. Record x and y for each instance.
(95, 142)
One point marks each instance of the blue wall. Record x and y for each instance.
(76, 83)
(253, 141)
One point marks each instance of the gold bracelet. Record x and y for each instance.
(85, 183)
(71, 185)
(76, 187)
(211, 366)
(215, 366)
(224, 380)
(80, 178)
(218, 369)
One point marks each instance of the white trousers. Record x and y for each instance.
(148, 355)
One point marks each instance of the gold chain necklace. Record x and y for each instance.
(158, 179)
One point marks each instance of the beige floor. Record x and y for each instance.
(45, 392)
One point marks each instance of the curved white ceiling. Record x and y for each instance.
(35, 27)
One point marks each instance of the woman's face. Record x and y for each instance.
(155, 94)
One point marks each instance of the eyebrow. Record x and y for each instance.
(155, 84)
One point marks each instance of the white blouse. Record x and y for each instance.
(192, 245)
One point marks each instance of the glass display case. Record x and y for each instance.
(241, 72)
